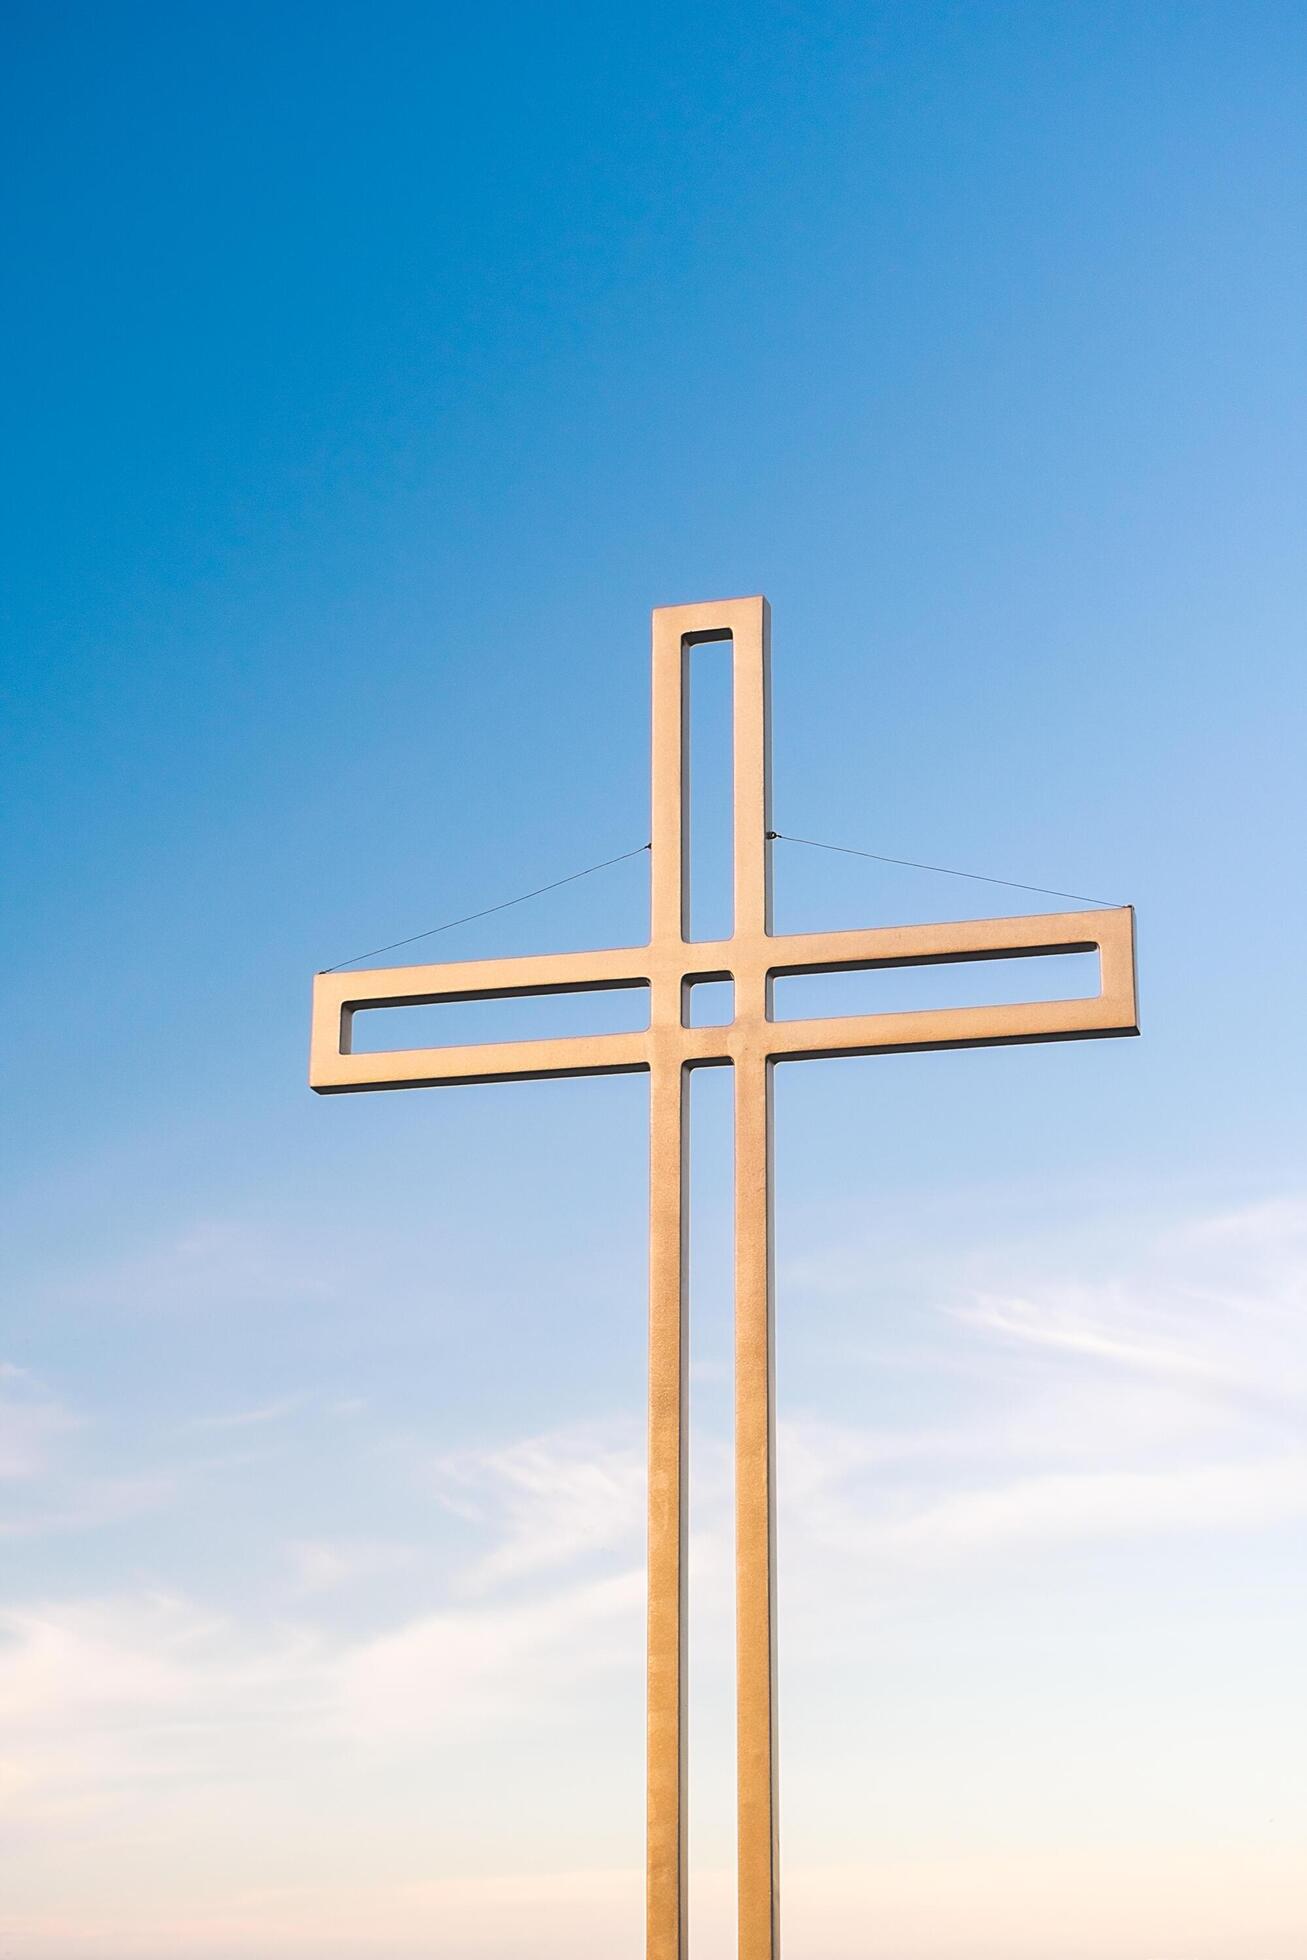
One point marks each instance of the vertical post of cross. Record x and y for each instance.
(665, 1870)
(746, 623)
(755, 1383)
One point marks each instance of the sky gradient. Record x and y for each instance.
(370, 375)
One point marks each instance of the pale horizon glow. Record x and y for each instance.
(277, 1723)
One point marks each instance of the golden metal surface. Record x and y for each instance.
(752, 957)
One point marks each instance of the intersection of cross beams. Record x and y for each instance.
(751, 1043)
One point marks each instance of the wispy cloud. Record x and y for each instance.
(1163, 1395)
(547, 1502)
(197, 1266)
(1214, 1308)
(254, 1418)
(917, 1528)
(101, 1696)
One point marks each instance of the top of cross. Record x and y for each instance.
(752, 956)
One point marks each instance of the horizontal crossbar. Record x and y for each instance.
(751, 962)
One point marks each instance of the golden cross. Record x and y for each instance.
(753, 1042)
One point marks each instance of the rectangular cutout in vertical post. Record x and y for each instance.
(710, 1632)
(708, 904)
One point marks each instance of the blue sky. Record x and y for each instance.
(369, 376)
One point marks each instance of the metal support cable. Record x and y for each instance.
(773, 836)
(485, 912)
(945, 870)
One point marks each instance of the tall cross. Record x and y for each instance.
(668, 1049)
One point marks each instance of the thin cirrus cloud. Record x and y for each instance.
(254, 1418)
(1212, 1309)
(1185, 1421)
(208, 1263)
(549, 1501)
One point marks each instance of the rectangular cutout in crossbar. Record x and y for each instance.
(465, 1020)
(898, 987)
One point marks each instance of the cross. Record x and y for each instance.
(753, 957)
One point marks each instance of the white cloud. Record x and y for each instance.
(463, 1671)
(103, 1696)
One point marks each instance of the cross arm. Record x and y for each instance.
(1112, 1011)
(337, 997)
